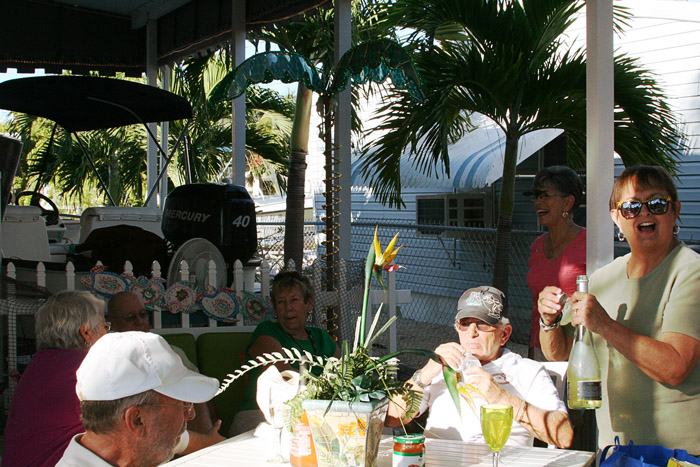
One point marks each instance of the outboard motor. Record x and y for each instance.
(223, 214)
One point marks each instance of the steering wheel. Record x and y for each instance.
(51, 216)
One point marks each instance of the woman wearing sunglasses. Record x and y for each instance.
(644, 312)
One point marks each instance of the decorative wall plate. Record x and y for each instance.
(256, 307)
(220, 304)
(181, 298)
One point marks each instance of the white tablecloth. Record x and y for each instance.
(248, 451)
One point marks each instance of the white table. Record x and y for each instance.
(248, 451)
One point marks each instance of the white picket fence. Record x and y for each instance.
(244, 280)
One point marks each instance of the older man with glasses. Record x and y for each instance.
(501, 377)
(136, 398)
(126, 312)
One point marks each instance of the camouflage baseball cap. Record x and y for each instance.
(484, 303)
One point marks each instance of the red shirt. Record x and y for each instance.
(45, 412)
(560, 272)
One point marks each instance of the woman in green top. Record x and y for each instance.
(292, 297)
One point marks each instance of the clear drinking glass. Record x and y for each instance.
(496, 421)
(278, 397)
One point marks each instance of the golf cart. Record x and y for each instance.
(218, 214)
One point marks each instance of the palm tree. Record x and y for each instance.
(507, 60)
(120, 158)
(268, 120)
(312, 37)
(120, 154)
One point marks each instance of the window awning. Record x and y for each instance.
(96, 35)
(476, 160)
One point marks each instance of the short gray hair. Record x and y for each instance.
(58, 320)
(286, 280)
(104, 417)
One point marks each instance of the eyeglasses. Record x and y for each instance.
(544, 194)
(631, 208)
(130, 318)
(188, 406)
(464, 323)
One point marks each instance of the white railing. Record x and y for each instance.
(244, 284)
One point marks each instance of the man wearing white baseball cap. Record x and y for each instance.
(501, 377)
(136, 397)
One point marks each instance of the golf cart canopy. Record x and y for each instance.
(81, 103)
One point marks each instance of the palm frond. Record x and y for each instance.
(286, 356)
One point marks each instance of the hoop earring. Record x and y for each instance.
(620, 236)
(676, 229)
(565, 214)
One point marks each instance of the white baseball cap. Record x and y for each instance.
(123, 364)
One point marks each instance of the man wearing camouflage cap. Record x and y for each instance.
(498, 375)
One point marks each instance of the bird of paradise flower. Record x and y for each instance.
(380, 261)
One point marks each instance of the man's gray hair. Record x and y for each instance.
(104, 417)
(58, 321)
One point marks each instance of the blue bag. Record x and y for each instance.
(632, 455)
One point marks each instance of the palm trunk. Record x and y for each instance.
(505, 216)
(332, 212)
(114, 177)
(296, 179)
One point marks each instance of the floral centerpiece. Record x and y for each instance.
(354, 379)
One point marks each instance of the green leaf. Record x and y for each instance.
(369, 264)
(264, 68)
(376, 61)
(451, 380)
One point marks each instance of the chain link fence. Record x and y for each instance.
(438, 264)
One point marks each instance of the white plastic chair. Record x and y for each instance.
(557, 371)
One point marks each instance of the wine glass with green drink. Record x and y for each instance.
(496, 421)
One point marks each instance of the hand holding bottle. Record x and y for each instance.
(451, 353)
(586, 310)
(583, 373)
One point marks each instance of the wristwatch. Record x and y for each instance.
(549, 327)
(417, 381)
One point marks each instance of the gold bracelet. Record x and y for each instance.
(522, 410)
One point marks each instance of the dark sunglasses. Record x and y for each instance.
(464, 323)
(631, 209)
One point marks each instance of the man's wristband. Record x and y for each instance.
(549, 327)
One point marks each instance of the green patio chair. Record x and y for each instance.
(220, 354)
(186, 342)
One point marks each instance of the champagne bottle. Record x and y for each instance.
(583, 387)
(302, 452)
